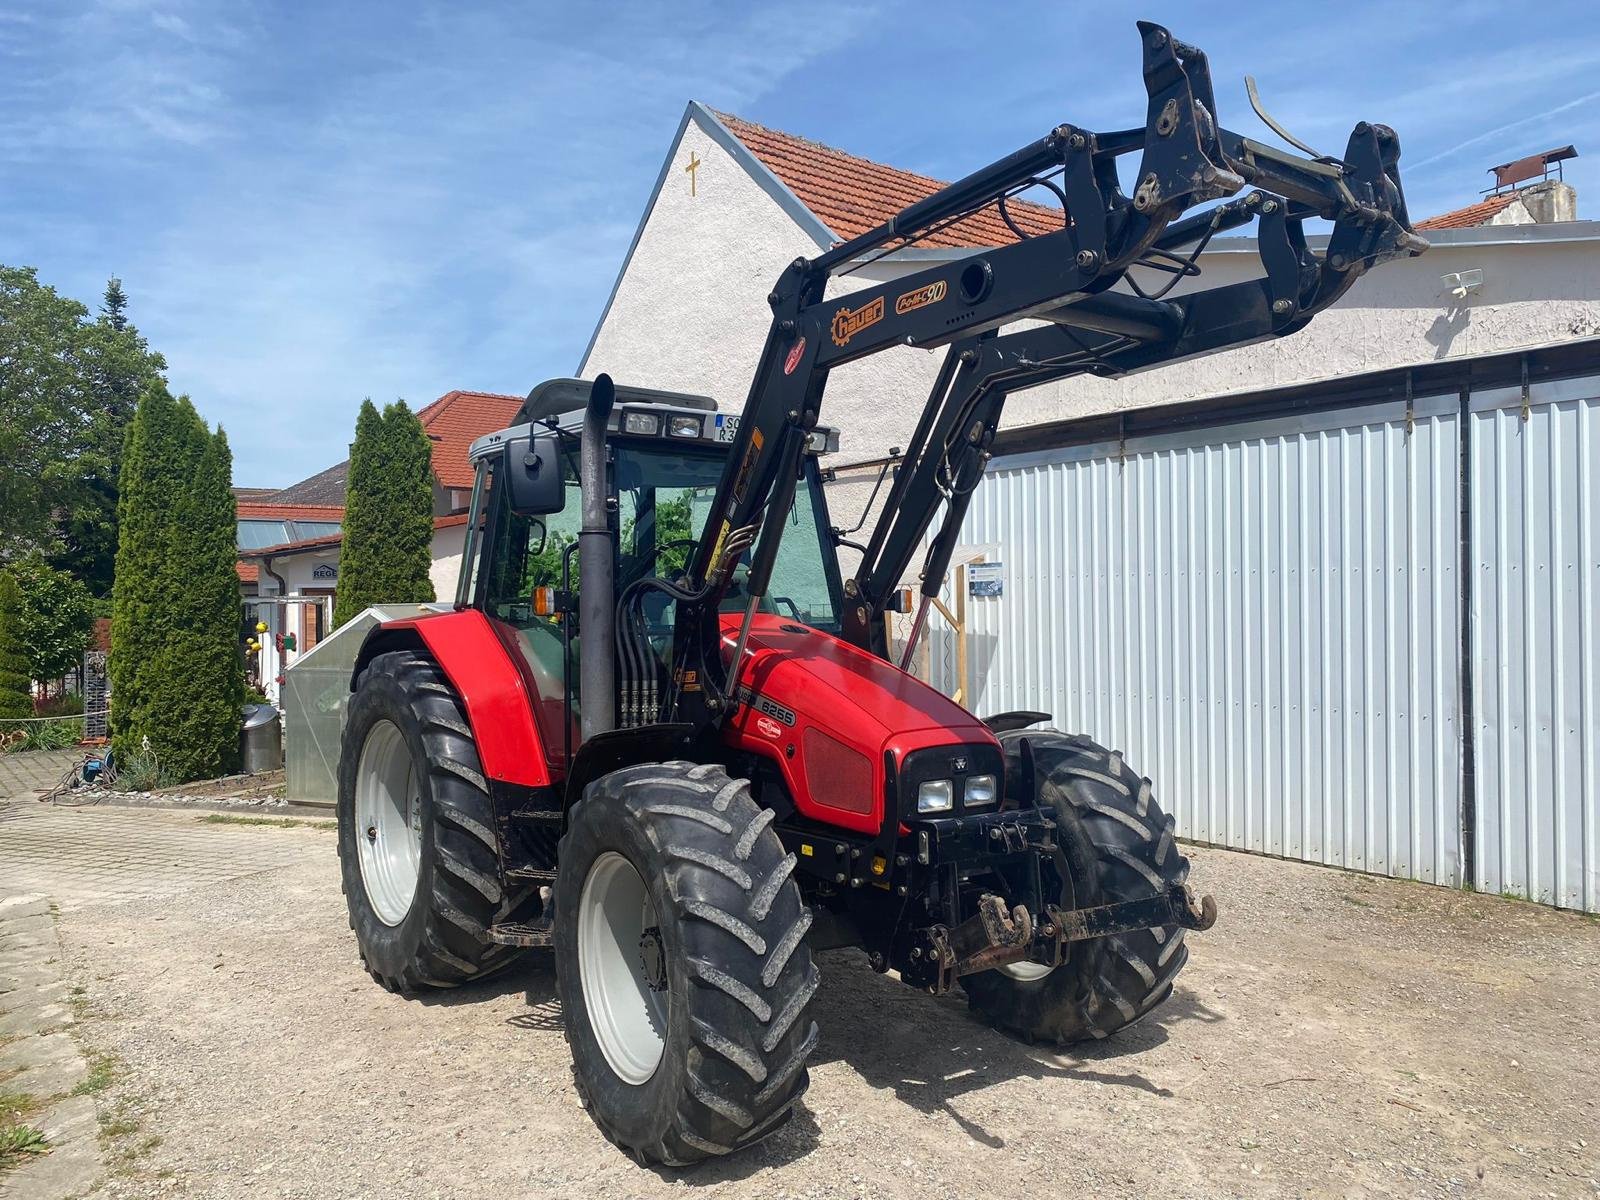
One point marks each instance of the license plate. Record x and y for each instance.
(727, 427)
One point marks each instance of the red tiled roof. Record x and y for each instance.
(258, 511)
(457, 419)
(851, 195)
(247, 572)
(1470, 216)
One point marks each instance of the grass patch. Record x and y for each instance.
(1358, 903)
(123, 1135)
(103, 1072)
(16, 1105)
(19, 1142)
(276, 822)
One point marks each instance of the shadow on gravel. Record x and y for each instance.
(930, 1052)
(533, 974)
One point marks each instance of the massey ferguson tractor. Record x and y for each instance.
(661, 735)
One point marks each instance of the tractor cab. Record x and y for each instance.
(665, 453)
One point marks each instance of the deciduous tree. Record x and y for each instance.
(68, 387)
(56, 616)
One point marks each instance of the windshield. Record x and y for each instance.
(664, 499)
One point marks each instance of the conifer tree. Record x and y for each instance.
(176, 675)
(16, 693)
(385, 553)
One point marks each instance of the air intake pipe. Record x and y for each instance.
(596, 614)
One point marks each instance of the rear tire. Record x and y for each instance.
(690, 1035)
(428, 928)
(1117, 845)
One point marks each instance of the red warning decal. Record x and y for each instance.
(793, 361)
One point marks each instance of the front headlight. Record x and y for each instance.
(684, 427)
(641, 422)
(936, 795)
(980, 790)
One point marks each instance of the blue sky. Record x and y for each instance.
(314, 203)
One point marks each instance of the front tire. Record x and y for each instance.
(681, 963)
(417, 849)
(1117, 845)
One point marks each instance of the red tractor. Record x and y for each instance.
(659, 732)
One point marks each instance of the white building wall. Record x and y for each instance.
(445, 569)
(690, 313)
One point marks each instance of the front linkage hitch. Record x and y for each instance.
(993, 937)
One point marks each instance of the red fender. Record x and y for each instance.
(492, 687)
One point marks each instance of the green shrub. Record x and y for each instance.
(68, 704)
(139, 770)
(16, 736)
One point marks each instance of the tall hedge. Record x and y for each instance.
(16, 693)
(385, 552)
(177, 677)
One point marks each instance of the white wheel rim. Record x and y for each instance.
(388, 822)
(1027, 972)
(627, 1014)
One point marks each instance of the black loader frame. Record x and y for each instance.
(1062, 279)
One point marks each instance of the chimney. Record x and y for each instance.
(1549, 200)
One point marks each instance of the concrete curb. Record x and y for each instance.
(40, 1058)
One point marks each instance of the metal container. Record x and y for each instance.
(261, 739)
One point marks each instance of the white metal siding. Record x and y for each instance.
(1536, 640)
(1263, 617)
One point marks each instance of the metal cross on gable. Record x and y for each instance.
(694, 163)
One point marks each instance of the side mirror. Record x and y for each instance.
(532, 470)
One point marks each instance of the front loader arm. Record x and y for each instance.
(1062, 278)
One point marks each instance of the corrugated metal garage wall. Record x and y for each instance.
(1535, 541)
(1263, 617)
(1266, 618)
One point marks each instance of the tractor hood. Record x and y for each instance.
(827, 712)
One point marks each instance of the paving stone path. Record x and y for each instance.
(98, 855)
(34, 771)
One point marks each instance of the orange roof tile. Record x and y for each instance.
(1473, 214)
(851, 195)
(457, 419)
(247, 572)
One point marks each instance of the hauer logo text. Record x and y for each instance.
(849, 322)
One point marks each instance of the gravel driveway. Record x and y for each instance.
(1334, 1035)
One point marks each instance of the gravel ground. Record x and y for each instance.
(1334, 1035)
